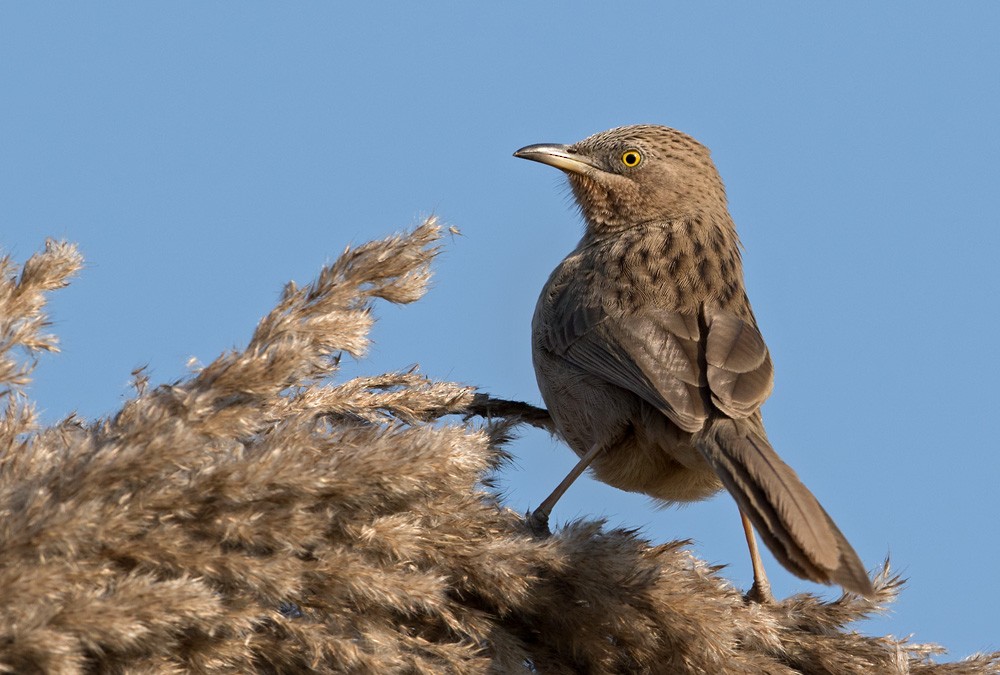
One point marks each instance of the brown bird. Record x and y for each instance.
(648, 355)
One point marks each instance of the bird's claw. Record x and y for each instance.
(760, 593)
(538, 523)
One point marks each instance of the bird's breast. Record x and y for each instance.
(669, 266)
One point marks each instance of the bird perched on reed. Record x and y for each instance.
(648, 355)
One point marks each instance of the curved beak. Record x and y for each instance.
(560, 156)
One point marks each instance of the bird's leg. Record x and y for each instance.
(538, 521)
(760, 592)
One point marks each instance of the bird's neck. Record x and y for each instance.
(687, 262)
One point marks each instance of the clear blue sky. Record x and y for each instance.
(202, 154)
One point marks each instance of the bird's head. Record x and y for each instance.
(635, 175)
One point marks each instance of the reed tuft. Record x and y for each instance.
(260, 516)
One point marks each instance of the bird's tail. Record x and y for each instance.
(790, 520)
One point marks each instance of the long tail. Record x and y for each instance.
(788, 517)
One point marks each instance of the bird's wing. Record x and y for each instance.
(653, 354)
(663, 357)
(740, 372)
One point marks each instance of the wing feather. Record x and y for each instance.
(668, 359)
(740, 372)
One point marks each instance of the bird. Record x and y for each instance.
(650, 360)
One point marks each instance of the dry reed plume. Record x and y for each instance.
(256, 517)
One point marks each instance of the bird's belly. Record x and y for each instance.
(644, 451)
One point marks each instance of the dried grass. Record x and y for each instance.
(257, 517)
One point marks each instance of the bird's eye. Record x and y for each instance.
(631, 158)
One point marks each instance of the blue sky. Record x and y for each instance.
(203, 154)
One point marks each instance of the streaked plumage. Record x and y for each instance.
(645, 345)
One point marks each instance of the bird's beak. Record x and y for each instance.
(559, 156)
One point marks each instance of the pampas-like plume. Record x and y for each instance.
(256, 517)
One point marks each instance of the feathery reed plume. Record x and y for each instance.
(256, 517)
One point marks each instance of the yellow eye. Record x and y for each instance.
(631, 158)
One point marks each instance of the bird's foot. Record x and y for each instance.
(760, 593)
(538, 522)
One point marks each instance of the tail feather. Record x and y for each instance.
(790, 520)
